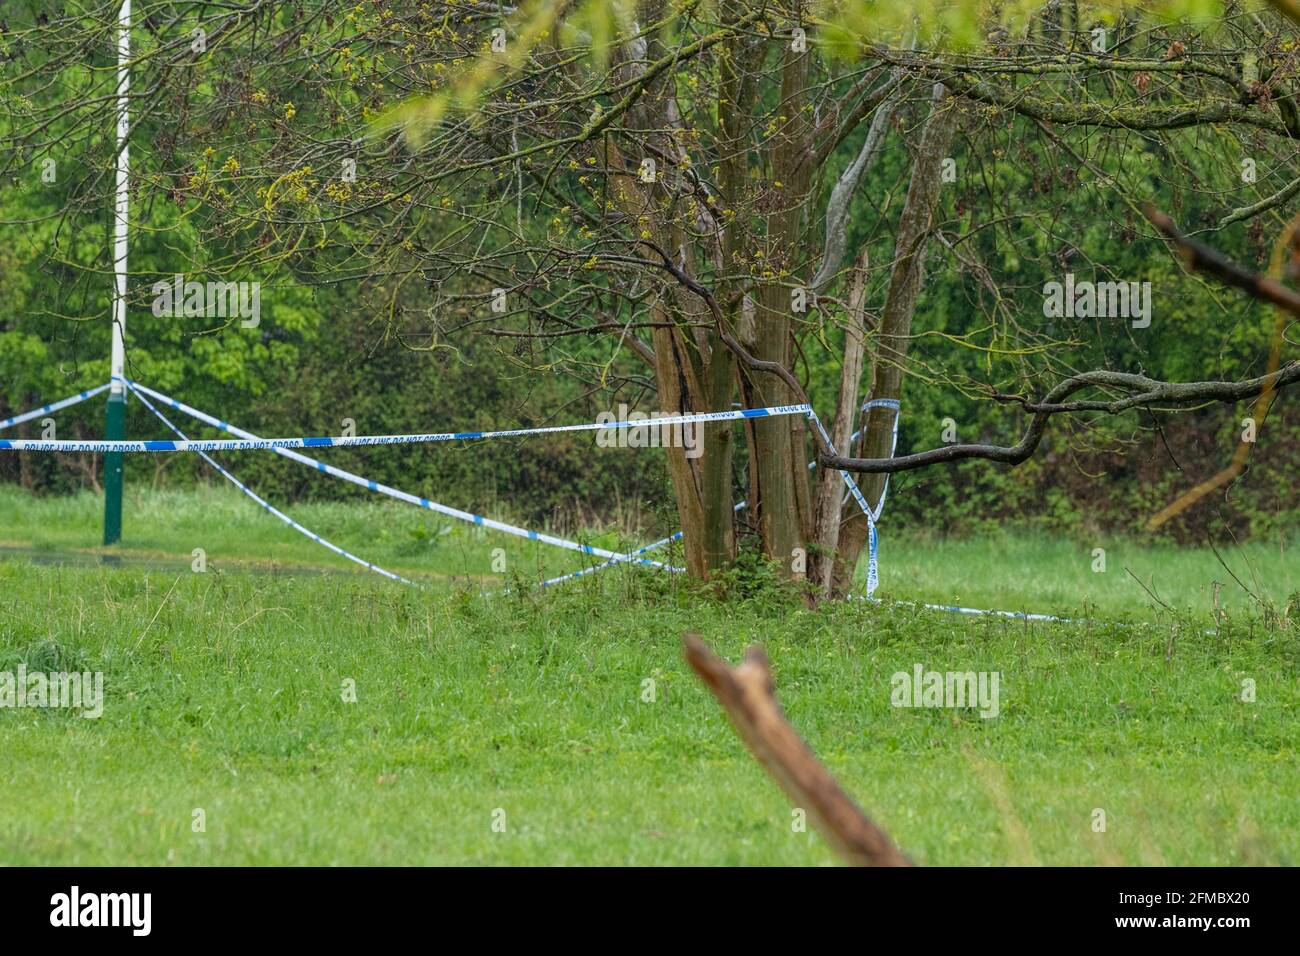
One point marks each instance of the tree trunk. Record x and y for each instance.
(673, 376)
(692, 372)
(781, 503)
(715, 465)
(905, 280)
(830, 486)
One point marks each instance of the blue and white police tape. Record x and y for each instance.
(419, 502)
(873, 556)
(582, 572)
(279, 446)
(978, 612)
(19, 444)
(284, 446)
(275, 511)
(873, 536)
(873, 540)
(872, 515)
(848, 479)
(52, 407)
(872, 573)
(1018, 615)
(871, 403)
(897, 406)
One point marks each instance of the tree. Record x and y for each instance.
(698, 201)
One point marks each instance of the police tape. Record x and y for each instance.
(614, 556)
(873, 541)
(52, 407)
(20, 444)
(897, 406)
(873, 573)
(275, 511)
(978, 612)
(873, 537)
(284, 446)
(645, 549)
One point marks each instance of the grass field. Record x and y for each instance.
(1013, 571)
(224, 691)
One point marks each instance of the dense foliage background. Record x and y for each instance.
(1026, 206)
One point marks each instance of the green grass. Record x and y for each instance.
(1013, 571)
(1032, 572)
(223, 692)
(162, 529)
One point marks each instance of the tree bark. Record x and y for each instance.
(914, 226)
(674, 378)
(692, 374)
(780, 502)
(830, 487)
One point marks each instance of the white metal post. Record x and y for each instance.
(115, 417)
(123, 198)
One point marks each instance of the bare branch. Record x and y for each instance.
(1143, 393)
(1242, 213)
(747, 694)
(837, 207)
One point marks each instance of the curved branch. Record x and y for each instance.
(1197, 255)
(837, 207)
(1144, 393)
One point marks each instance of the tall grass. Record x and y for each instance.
(1009, 570)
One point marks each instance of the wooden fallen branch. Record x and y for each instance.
(747, 694)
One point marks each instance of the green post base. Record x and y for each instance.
(114, 430)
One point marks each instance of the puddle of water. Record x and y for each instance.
(144, 562)
(137, 562)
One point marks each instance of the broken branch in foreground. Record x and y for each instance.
(747, 694)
